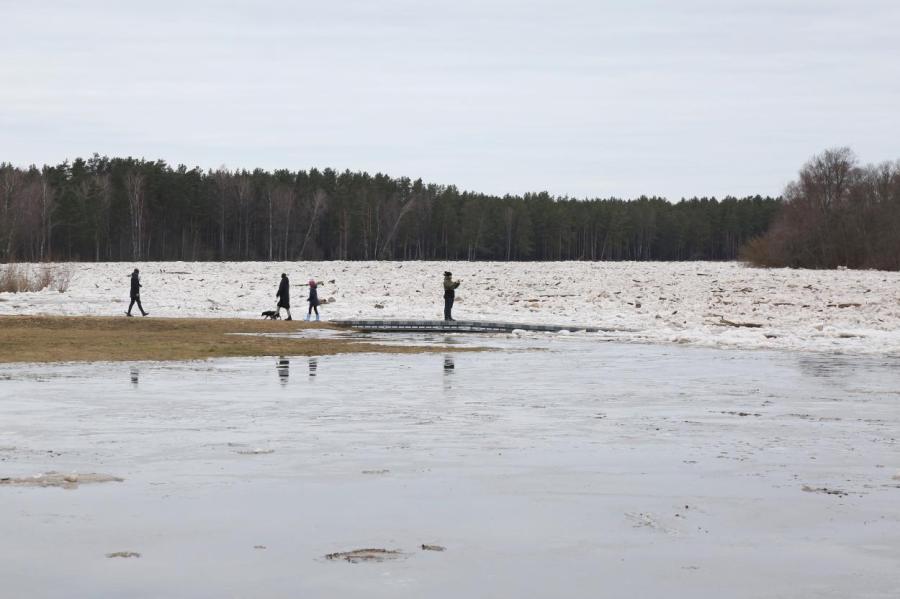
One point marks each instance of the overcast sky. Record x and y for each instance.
(581, 98)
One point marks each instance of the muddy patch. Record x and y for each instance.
(825, 491)
(366, 555)
(124, 554)
(427, 547)
(256, 451)
(58, 479)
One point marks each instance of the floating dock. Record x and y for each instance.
(376, 325)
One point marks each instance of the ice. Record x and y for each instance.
(683, 303)
(582, 470)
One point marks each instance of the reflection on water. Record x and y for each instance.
(135, 375)
(283, 367)
(313, 365)
(449, 367)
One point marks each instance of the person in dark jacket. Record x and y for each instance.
(313, 299)
(449, 295)
(136, 293)
(284, 296)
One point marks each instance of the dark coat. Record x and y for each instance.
(313, 298)
(284, 293)
(135, 285)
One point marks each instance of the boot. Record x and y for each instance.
(289, 318)
(317, 318)
(306, 318)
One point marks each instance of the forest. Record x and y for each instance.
(127, 209)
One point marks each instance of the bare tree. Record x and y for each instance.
(103, 185)
(243, 190)
(29, 206)
(11, 182)
(405, 207)
(48, 203)
(320, 201)
(281, 206)
(223, 184)
(134, 187)
(836, 214)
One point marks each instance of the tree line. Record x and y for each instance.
(837, 213)
(113, 209)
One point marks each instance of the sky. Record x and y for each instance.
(578, 98)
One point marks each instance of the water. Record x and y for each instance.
(551, 466)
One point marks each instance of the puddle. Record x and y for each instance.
(574, 463)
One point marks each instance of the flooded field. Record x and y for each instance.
(553, 466)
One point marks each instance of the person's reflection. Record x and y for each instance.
(283, 367)
(313, 366)
(449, 368)
(449, 365)
(135, 375)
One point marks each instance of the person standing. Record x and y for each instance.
(284, 296)
(136, 293)
(449, 295)
(313, 299)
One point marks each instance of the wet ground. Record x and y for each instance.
(556, 466)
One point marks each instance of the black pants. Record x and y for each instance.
(448, 307)
(136, 299)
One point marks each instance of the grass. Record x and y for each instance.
(94, 338)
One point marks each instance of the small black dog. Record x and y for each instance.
(271, 315)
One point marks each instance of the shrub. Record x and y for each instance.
(836, 214)
(63, 277)
(15, 278)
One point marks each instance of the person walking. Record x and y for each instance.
(136, 293)
(313, 299)
(284, 296)
(449, 295)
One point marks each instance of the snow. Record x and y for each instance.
(685, 303)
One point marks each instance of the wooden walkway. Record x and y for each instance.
(373, 325)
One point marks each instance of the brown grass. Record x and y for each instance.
(15, 278)
(77, 338)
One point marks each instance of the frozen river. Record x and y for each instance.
(555, 467)
(708, 304)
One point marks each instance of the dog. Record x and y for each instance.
(271, 314)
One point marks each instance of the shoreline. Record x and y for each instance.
(55, 339)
